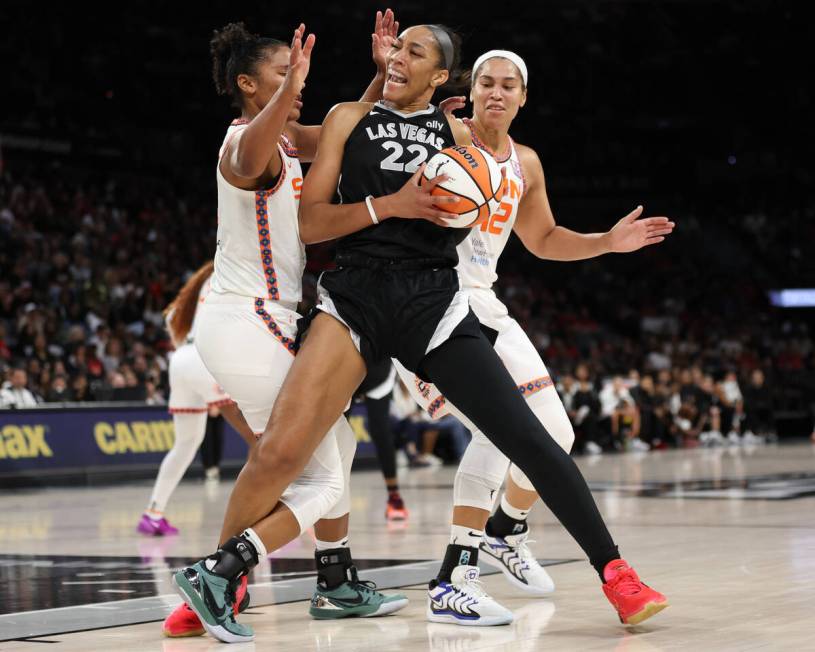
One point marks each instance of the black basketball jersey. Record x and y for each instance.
(383, 151)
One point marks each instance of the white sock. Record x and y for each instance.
(513, 512)
(330, 545)
(254, 539)
(465, 536)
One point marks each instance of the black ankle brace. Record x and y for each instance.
(501, 525)
(236, 557)
(334, 566)
(456, 555)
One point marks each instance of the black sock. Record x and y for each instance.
(469, 373)
(501, 524)
(393, 493)
(235, 558)
(334, 567)
(456, 555)
(601, 563)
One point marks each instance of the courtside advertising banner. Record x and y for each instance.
(89, 438)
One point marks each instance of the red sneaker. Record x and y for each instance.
(184, 622)
(633, 600)
(396, 510)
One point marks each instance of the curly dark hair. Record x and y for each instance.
(235, 51)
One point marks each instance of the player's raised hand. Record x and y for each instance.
(386, 29)
(414, 201)
(454, 103)
(299, 59)
(631, 233)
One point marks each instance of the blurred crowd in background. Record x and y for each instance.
(107, 202)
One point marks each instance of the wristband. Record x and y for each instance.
(371, 210)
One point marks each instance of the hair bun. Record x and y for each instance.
(226, 42)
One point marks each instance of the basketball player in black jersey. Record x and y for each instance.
(395, 294)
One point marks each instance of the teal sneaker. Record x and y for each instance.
(211, 597)
(354, 598)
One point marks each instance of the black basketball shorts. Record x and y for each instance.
(397, 309)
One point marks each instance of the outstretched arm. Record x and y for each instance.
(254, 154)
(386, 27)
(537, 230)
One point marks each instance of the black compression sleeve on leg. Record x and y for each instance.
(379, 427)
(469, 373)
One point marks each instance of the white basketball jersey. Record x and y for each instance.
(478, 253)
(259, 252)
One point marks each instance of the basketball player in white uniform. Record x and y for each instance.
(193, 391)
(248, 324)
(498, 92)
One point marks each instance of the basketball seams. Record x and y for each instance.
(450, 191)
(474, 188)
(465, 166)
(477, 208)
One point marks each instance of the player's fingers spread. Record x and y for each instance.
(659, 228)
(435, 181)
(633, 215)
(417, 175)
(442, 200)
(310, 41)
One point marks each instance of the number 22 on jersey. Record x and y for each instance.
(396, 150)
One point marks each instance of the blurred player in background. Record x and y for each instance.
(193, 391)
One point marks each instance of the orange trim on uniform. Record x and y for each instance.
(520, 170)
(265, 238)
(239, 121)
(534, 386)
(260, 310)
(435, 406)
(186, 410)
(288, 147)
(231, 136)
(220, 402)
(478, 143)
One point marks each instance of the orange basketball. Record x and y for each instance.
(474, 179)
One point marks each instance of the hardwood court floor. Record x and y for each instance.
(727, 534)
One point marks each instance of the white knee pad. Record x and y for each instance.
(480, 474)
(319, 487)
(520, 479)
(347, 444)
(549, 409)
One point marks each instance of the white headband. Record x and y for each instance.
(504, 54)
